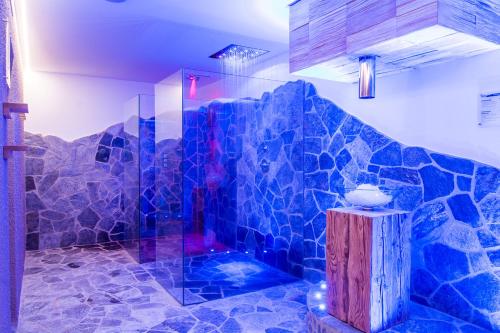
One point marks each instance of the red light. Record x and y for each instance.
(192, 88)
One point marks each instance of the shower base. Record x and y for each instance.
(160, 248)
(216, 275)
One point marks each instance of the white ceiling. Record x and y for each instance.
(146, 40)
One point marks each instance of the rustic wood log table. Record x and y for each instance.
(368, 267)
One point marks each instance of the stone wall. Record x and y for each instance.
(270, 173)
(87, 191)
(210, 184)
(244, 158)
(74, 189)
(455, 205)
(299, 154)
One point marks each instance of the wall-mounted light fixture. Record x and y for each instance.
(367, 76)
(192, 88)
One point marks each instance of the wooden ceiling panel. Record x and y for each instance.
(403, 34)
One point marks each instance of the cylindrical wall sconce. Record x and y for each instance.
(367, 77)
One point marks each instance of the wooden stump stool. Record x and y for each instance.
(368, 267)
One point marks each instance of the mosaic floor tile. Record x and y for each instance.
(216, 275)
(100, 289)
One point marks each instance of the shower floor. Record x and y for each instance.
(171, 246)
(216, 275)
(210, 270)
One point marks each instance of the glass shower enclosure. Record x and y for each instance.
(211, 207)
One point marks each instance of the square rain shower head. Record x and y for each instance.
(238, 52)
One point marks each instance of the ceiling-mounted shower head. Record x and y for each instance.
(234, 51)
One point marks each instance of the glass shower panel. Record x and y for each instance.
(213, 179)
(139, 178)
(233, 129)
(168, 190)
(130, 177)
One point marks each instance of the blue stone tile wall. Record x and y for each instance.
(219, 165)
(168, 196)
(193, 124)
(246, 159)
(210, 155)
(270, 174)
(87, 191)
(455, 205)
(73, 189)
(148, 171)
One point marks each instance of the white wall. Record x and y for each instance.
(435, 107)
(168, 107)
(73, 106)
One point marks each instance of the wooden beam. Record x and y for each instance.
(299, 48)
(322, 31)
(364, 14)
(358, 271)
(337, 248)
(299, 14)
(327, 36)
(321, 8)
(474, 17)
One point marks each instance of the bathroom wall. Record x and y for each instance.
(243, 176)
(455, 205)
(210, 184)
(74, 189)
(441, 99)
(75, 161)
(270, 177)
(74, 106)
(289, 175)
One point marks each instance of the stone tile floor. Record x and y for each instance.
(101, 289)
(216, 275)
(422, 319)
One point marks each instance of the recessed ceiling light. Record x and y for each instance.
(116, 1)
